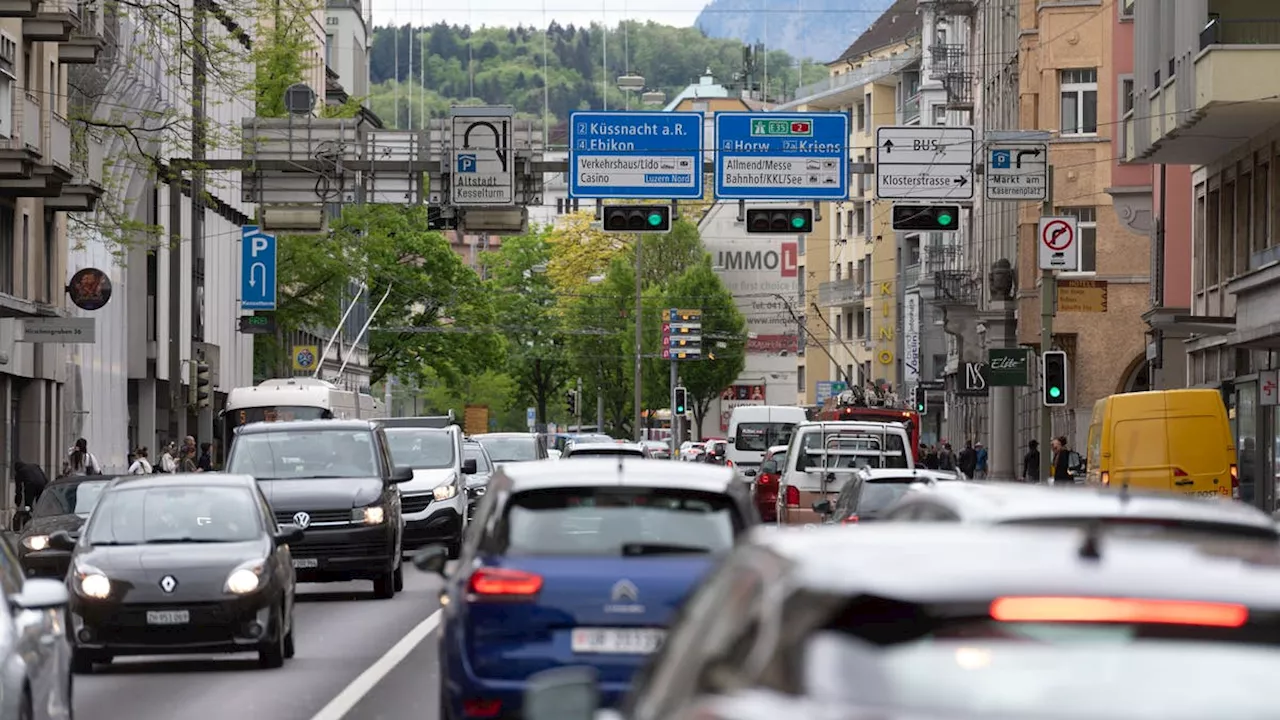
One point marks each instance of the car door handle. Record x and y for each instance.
(1184, 482)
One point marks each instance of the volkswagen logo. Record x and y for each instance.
(301, 519)
(168, 583)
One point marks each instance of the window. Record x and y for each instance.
(800, 379)
(861, 112)
(328, 51)
(939, 114)
(50, 255)
(1079, 101)
(1087, 218)
(1126, 96)
(24, 269)
(7, 250)
(1126, 9)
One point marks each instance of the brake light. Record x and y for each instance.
(493, 582)
(1106, 477)
(851, 520)
(1179, 472)
(1235, 482)
(765, 479)
(793, 496)
(481, 708)
(1118, 610)
(728, 463)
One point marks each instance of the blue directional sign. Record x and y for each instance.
(257, 269)
(782, 156)
(626, 155)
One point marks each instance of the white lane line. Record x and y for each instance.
(338, 707)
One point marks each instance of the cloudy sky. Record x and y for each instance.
(534, 12)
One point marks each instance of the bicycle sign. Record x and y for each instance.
(1058, 242)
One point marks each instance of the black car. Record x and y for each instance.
(178, 564)
(334, 479)
(64, 505)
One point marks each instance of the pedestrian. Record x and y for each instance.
(1061, 468)
(946, 458)
(205, 462)
(168, 461)
(80, 461)
(29, 482)
(982, 460)
(931, 458)
(140, 466)
(968, 460)
(1031, 463)
(187, 463)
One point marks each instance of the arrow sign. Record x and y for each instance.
(257, 269)
(1025, 153)
(888, 146)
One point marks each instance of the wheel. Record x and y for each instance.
(271, 652)
(455, 549)
(82, 663)
(384, 586)
(446, 711)
(399, 577)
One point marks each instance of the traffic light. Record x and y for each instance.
(204, 385)
(682, 395)
(780, 220)
(926, 218)
(637, 218)
(571, 402)
(1055, 378)
(921, 400)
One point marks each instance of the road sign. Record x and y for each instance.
(257, 269)
(258, 324)
(682, 335)
(483, 169)
(1269, 387)
(59, 330)
(916, 162)
(1017, 171)
(635, 155)
(1059, 243)
(782, 156)
(531, 417)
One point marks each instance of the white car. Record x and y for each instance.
(35, 682)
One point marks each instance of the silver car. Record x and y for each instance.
(35, 683)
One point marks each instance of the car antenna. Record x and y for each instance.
(1090, 549)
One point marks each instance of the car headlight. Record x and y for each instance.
(373, 515)
(245, 579)
(35, 542)
(93, 582)
(444, 492)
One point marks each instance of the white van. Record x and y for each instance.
(825, 455)
(753, 429)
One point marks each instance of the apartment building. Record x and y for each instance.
(1203, 97)
(876, 82)
(346, 47)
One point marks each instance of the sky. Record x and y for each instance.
(536, 13)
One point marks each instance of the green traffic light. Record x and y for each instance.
(1055, 392)
(797, 222)
(944, 219)
(655, 219)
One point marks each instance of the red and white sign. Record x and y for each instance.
(1059, 242)
(1269, 387)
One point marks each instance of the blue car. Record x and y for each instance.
(582, 563)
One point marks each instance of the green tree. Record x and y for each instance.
(665, 256)
(603, 346)
(724, 340)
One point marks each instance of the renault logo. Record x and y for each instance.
(625, 591)
(301, 519)
(168, 583)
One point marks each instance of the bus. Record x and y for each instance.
(847, 406)
(295, 398)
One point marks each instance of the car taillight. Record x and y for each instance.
(1235, 482)
(501, 582)
(1118, 610)
(851, 520)
(728, 463)
(481, 708)
(793, 496)
(1106, 477)
(766, 479)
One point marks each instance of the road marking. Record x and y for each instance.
(338, 707)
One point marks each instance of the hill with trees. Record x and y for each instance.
(820, 29)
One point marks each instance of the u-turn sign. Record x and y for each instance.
(257, 269)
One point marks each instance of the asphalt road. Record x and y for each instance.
(357, 659)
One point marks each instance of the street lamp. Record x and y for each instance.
(630, 83)
(653, 97)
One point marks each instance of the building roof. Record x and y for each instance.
(897, 24)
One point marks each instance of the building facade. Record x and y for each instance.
(346, 47)
(1200, 100)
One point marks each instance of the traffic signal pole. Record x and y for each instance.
(675, 418)
(1048, 298)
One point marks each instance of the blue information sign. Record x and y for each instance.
(624, 155)
(257, 269)
(782, 156)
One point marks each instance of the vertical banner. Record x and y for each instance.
(911, 339)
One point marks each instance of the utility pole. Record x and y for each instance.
(675, 417)
(1048, 301)
(639, 390)
(577, 404)
(199, 70)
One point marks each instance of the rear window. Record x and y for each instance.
(1162, 528)
(597, 452)
(613, 521)
(758, 437)
(877, 496)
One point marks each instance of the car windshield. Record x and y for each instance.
(511, 449)
(291, 454)
(758, 437)
(1086, 680)
(617, 522)
(419, 448)
(475, 452)
(69, 498)
(174, 514)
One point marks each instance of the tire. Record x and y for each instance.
(398, 577)
(271, 652)
(384, 586)
(455, 549)
(446, 712)
(288, 640)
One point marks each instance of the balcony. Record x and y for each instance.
(82, 191)
(909, 111)
(840, 90)
(1198, 116)
(20, 153)
(54, 21)
(956, 288)
(959, 86)
(87, 40)
(840, 293)
(945, 59)
(19, 8)
(36, 161)
(911, 276)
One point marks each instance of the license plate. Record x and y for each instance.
(306, 563)
(168, 617)
(639, 641)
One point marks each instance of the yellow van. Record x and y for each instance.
(1176, 440)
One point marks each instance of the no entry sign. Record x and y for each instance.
(1059, 241)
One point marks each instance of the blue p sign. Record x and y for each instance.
(467, 163)
(1001, 159)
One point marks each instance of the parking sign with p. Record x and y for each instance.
(467, 163)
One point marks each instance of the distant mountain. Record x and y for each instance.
(816, 29)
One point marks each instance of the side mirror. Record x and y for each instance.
(469, 466)
(432, 559)
(401, 475)
(40, 594)
(564, 693)
(289, 534)
(822, 507)
(62, 540)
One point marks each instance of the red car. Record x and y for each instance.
(764, 491)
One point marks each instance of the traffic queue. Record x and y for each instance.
(614, 582)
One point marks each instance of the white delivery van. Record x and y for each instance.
(753, 429)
